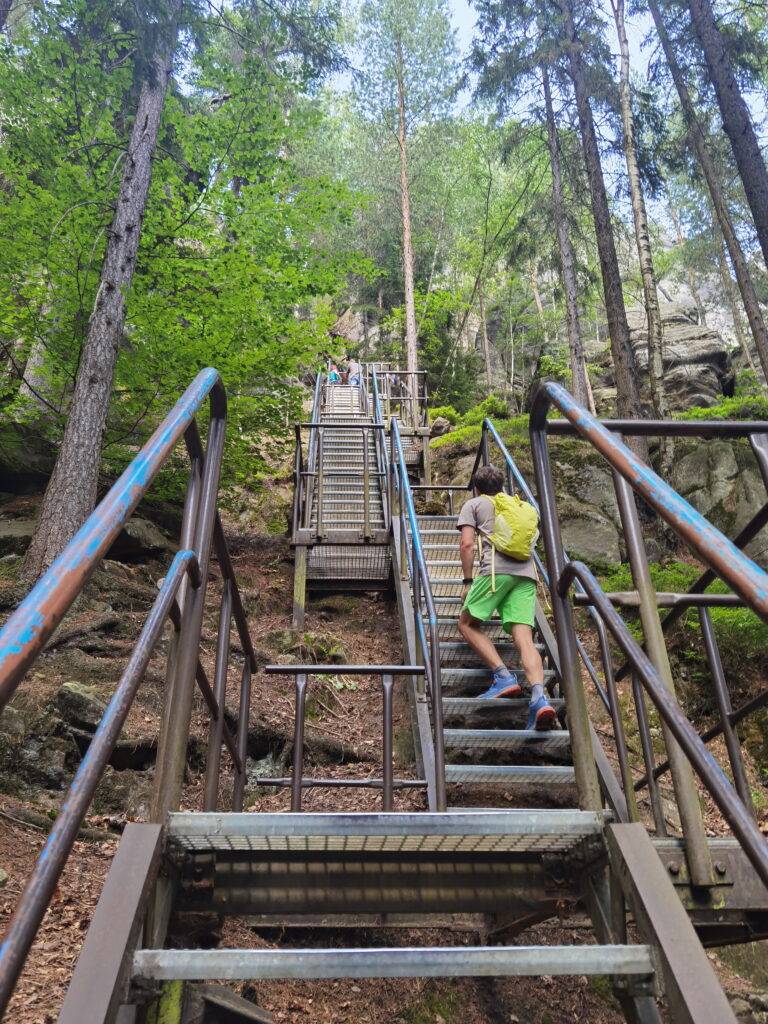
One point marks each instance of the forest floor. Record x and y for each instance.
(344, 733)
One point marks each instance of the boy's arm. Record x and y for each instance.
(467, 556)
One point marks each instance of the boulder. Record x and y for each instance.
(15, 535)
(440, 426)
(589, 536)
(79, 705)
(138, 539)
(721, 480)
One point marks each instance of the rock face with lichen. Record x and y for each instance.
(721, 480)
(697, 364)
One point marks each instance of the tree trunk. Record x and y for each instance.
(5, 10)
(580, 382)
(736, 119)
(642, 234)
(688, 272)
(696, 136)
(725, 277)
(486, 344)
(627, 393)
(412, 361)
(71, 492)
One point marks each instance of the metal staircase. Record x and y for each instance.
(485, 736)
(518, 826)
(340, 520)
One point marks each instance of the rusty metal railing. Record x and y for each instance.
(649, 667)
(387, 783)
(181, 599)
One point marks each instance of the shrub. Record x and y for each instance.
(492, 407)
(446, 411)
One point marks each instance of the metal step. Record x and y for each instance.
(510, 774)
(448, 627)
(477, 677)
(515, 740)
(409, 833)
(398, 962)
(461, 654)
(514, 707)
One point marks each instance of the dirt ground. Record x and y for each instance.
(343, 739)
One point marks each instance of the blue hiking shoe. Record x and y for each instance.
(506, 687)
(541, 716)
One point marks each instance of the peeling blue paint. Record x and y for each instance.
(41, 611)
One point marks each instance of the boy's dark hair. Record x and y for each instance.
(488, 480)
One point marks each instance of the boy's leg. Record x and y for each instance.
(469, 628)
(530, 659)
(479, 606)
(519, 614)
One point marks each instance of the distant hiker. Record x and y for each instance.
(333, 375)
(354, 371)
(506, 585)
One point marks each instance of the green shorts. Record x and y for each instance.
(515, 600)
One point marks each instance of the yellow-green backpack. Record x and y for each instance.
(515, 529)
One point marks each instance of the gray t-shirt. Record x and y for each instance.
(353, 368)
(479, 513)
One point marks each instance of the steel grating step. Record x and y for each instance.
(510, 774)
(461, 654)
(516, 740)
(477, 676)
(407, 833)
(515, 706)
(398, 962)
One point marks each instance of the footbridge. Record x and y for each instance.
(516, 826)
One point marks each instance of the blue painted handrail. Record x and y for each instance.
(31, 625)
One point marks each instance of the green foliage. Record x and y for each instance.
(447, 412)
(511, 431)
(229, 272)
(749, 406)
(740, 633)
(451, 372)
(492, 408)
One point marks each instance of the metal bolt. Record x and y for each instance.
(674, 868)
(720, 867)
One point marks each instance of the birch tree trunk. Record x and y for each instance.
(71, 492)
(580, 381)
(411, 354)
(712, 178)
(736, 120)
(642, 234)
(486, 344)
(627, 393)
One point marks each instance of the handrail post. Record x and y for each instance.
(387, 768)
(697, 849)
(319, 483)
(578, 719)
(298, 741)
(726, 709)
(172, 745)
(366, 488)
(213, 762)
(238, 790)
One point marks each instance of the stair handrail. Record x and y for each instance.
(722, 556)
(420, 585)
(381, 447)
(303, 480)
(181, 598)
